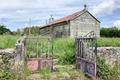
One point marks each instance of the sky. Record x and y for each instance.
(17, 13)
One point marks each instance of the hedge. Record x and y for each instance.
(110, 32)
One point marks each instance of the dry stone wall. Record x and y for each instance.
(110, 54)
(16, 54)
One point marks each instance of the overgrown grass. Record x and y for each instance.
(108, 42)
(64, 51)
(60, 44)
(62, 73)
(63, 48)
(8, 41)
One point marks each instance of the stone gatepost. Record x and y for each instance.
(19, 59)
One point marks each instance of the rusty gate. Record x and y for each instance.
(38, 52)
(86, 52)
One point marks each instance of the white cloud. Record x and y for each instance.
(106, 7)
(117, 23)
(20, 9)
(30, 4)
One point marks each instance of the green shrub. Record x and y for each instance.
(105, 72)
(110, 32)
(6, 73)
(116, 71)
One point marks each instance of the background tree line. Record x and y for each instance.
(31, 30)
(104, 32)
(28, 30)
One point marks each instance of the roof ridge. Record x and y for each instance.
(65, 18)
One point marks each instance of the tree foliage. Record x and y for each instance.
(4, 30)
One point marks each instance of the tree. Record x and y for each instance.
(4, 30)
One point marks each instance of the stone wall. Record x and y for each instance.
(16, 54)
(110, 54)
(84, 24)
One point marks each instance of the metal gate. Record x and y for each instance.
(86, 52)
(38, 52)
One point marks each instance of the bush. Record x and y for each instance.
(105, 72)
(7, 75)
